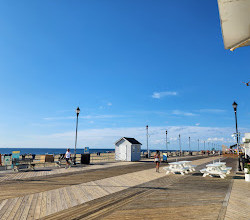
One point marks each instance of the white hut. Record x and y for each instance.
(128, 149)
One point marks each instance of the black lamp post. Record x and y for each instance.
(189, 144)
(166, 140)
(77, 114)
(198, 145)
(237, 134)
(180, 144)
(147, 140)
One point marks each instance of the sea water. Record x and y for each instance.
(51, 150)
(60, 150)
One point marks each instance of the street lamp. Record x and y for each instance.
(147, 140)
(189, 143)
(166, 140)
(180, 144)
(237, 134)
(77, 114)
(198, 144)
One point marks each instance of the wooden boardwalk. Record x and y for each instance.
(54, 171)
(239, 202)
(116, 193)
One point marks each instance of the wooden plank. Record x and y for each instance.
(5, 207)
(48, 203)
(20, 209)
(37, 210)
(71, 196)
(63, 199)
(53, 201)
(77, 194)
(27, 207)
(30, 214)
(15, 208)
(3, 203)
(58, 200)
(66, 197)
(9, 208)
(43, 210)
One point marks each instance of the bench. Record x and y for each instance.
(228, 169)
(191, 167)
(210, 172)
(181, 170)
(18, 164)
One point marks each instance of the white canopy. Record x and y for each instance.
(235, 23)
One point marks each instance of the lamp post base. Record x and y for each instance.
(239, 165)
(74, 161)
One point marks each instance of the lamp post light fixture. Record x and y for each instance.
(77, 114)
(147, 139)
(237, 134)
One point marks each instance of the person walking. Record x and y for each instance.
(157, 159)
(67, 157)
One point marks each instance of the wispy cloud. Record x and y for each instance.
(216, 139)
(158, 95)
(182, 113)
(212, 110)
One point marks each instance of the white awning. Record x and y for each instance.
(235, 23)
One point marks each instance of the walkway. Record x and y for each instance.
(124, 192)
(239, 200)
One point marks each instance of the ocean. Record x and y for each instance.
(58, 150)
(51, 150)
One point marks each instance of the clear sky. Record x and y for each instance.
(126, 64)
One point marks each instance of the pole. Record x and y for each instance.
(189, 144)
(76, 138)
(237, 136)
(166, 140)
(180, 144)
(198, 144)
(147, 140)
(204, 145)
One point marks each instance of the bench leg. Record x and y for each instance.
(182, 173)
(222, 176)
(167, 172)
(204, 175)
(186, 171)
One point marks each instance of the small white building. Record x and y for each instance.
(128, 149)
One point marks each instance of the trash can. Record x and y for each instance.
(85, 158)
(165, 157)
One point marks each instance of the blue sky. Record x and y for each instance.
(126, 64)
